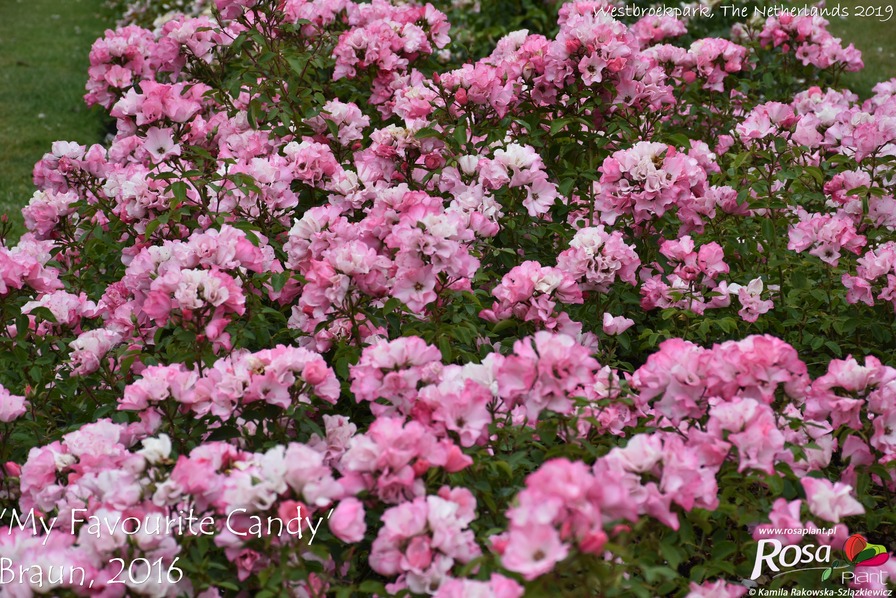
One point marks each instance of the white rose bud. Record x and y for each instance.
(156, 450)
(468, 164)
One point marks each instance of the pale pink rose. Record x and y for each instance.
(347, 521)
(831, 501)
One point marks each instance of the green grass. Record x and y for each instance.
(875, 38)
(43, 68)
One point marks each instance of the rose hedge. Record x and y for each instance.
(589, 315)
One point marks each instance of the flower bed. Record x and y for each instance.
(338, 313)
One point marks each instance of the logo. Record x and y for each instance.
(774, 557)
(859, 553)
(772, 554)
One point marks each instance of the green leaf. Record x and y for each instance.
(460, 135)
(724, 549)
(559, 124)
(566, 186)
(798, 280)
(278, 281)
(504, 325)
(43, 313)
(426, 132)
(505, 467)
(444, 344)
(179, 191)
(740, 160)
(372, 587)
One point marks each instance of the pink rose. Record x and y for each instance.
(347, 521)
(11, 406)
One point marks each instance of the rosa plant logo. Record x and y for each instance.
(859, 553)
(773, 556)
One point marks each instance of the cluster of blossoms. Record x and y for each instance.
(421, 540)
(881, 209)
(751, 301)
(392, 457)
(562, 503)
(749, 392)
(407, 377)
(876, 271)
(708, 60)
(119, 501)
(649, 179)
(565, 504)
(591, 47)
(596, 258)
(680, 379)
(766, 122)
(859, 397)
(545, 372)
(115, 62)
(387, 38)
(691, 280)
(827, 236)
(519, 166)
(323, 278)
(408, 247)
(185, 281)
(91, 472)
(810, 41)
(282, 376)
(653, 29)
(25, 266)
(530, 291)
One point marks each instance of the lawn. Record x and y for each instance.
(43, 68)
(874, 37)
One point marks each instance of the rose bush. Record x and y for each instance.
(589, 313)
